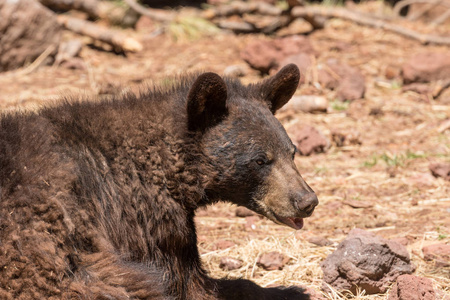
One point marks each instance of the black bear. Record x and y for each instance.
(97, 198)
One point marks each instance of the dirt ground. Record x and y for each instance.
(387, 175)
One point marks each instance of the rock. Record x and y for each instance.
(243, 212)
(351, 87)
(320, 241)
(266, 55)
(235, 71)
(391, 72)
(439, 253)
(401, 240)
(27, 30)
(272, 261)
(228, 263)
(307, 103)
(309, 140)
(250, 223)
(440, 170)
(410, 287)
(366, 261)
(427, 67)
(348, 82)
(223, 244)
(146, 24)
(419, 88)
(352, 137)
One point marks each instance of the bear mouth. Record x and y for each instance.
(295, 223)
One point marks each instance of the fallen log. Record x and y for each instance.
(117, 39)
(345, 14)
(90, 7)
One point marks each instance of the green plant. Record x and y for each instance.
(372, 162)
(191, 28)
(338, 105)
(442, 236)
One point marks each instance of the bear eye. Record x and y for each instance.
(295, 151)
(261, 160)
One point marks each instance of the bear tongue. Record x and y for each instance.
(296, 223)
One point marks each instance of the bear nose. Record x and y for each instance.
(306, 202)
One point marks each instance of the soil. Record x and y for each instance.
(387, 171)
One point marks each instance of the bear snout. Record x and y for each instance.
(305, 202)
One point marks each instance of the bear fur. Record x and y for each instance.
(97, 198)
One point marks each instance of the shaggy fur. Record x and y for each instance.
(97, 199)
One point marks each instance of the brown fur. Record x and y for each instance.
(97, 199)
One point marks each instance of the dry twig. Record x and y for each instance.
(112, 37)
(404, 3)
(345, 14)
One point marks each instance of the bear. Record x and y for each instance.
(98, 197)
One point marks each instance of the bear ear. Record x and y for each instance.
(279, 89)
(206, 102)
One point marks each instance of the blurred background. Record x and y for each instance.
(371, 120)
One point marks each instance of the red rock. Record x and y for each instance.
(145, 24)
(351, 86)
(439, 253)
(410, 287)
(348, 81)
(266, 55)
(250, 223)
(426, 67)
(224, 244)
(309, 140)
(440, 170)
(272, 261)
(228, 263)
(419, 88)
(366, 261)
(243, 212)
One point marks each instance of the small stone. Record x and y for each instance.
(391, 72)
(410, 287)
(439, 253)
(228, 263)
(320, 241)
(235, 71)
(272, 261)
(307, 103)
(419, 88)
(309, 140)
(348, 81)
(351, 86)
(427, 67)
(243, 212)
(250, 223)
(224, 244)
(440, 170)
